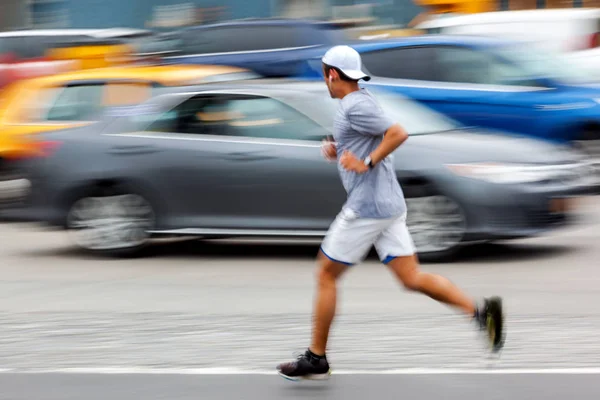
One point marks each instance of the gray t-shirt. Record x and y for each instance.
(359, 127)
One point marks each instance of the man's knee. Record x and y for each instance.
(407, 271)
(324, 277)
(329, 271)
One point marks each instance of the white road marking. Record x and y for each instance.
(236, 371)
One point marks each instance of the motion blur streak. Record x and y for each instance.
(163, 195)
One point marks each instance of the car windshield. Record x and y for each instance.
(415, 118)
(543, 64)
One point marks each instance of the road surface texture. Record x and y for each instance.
(257, 387)
(193, 307)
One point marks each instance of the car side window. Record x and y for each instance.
(264, 117)
(464, 65)
(401, 63)
(255, 38)
(180, 119)
(240, 116)
(36, 106)
(120, 94)
(195, 41)
(77, 103)
(240, 38)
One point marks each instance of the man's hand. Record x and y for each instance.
(329, 150)
(351, 163)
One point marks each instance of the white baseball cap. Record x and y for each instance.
(347, 60)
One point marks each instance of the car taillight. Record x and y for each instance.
(36, 149)
(49, 147)
(594, 40)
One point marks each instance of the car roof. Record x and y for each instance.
(268, 22)
(164, 74)
(422, 40)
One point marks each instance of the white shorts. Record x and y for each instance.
(350, 239)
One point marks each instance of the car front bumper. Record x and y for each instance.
(14, 187)
(14, 190)
(515, 212)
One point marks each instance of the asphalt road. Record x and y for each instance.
(192, 306)
(257, 387)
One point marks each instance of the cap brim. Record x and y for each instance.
(354, 74)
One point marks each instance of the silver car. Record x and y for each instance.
(243, 159)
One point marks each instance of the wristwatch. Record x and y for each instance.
(369, 162)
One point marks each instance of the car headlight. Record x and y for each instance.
(516, 173)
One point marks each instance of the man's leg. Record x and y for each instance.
(313, 364)
(325, 303)
(406, 269)
(348, 241)
(397, 250)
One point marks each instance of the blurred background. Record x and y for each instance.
(163, 193)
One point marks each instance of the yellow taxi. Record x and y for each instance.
(72, 99)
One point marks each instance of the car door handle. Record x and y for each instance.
(134, 149)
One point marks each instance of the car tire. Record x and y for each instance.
(437, 224)
(588, 144)
(113, 221)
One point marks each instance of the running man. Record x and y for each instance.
(373, 215)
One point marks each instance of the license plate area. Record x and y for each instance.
(563, 205)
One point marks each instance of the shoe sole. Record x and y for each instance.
(495, 324)
(312, 377)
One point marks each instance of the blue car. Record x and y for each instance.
(486, 82)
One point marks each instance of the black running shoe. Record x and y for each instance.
(306, 367)
(490, 317)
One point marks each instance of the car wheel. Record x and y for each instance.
(588, 144)
(118, 223)
(437, 225)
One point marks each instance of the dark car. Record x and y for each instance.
(242, 159)
(270, 47)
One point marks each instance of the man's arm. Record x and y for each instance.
(392, 139)
(370, 120)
